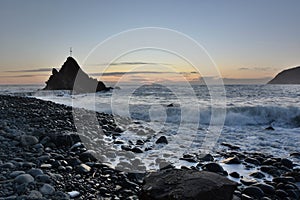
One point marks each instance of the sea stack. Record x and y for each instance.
(288, 76)
(72, 77)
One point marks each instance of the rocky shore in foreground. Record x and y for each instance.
(41, 157)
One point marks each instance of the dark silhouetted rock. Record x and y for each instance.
(65, 78)
(232, 160)
(213, 167)
(175, 184)
(270, 128)
(288, 76)
(162, 140)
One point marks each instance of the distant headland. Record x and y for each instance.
(65, 78)
(288, 76)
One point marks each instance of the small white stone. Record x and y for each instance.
(74, 194)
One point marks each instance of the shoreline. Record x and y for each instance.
(38, 134)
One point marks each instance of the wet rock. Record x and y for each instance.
(140, 142)
(294, 174)
(230, 146)
(252, 161)
(281, 193)
(125, 148)
(270, 128)
(206, 158)
(162, 140)
(287, 163)
(248, 182)
(293, 194)
(74, 161)
(266, 188)
(232, 160)
(170, 105)
(87, 156)
(191, 160)
(119, 142)
(258, 175)
(295, 154)
(213, 167)
(283, 179)
(175, 184)
(254, 192)
(47, 189)
(136, 150)
(83, 168)
(234, 175)
(246, 197)
(24, 178)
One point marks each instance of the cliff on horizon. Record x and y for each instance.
(288, 76)
(64, 79)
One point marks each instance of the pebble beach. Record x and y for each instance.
(42, 157)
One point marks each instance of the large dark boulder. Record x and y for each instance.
(71, 77)
(178, 184)
(289, 76)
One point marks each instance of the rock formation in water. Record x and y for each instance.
(72, 77)
(288, 76)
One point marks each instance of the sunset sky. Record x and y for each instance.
(250, 41)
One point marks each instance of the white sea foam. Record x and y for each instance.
(250, 109)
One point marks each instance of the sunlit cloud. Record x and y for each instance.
(257, 69)
(212, 80)
(24, 75)
(136, 72)
(31, 70)
(129, 63)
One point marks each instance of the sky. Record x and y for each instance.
(249, 41)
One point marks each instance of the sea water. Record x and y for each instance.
(156, 110)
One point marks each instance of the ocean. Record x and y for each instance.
(184, 117)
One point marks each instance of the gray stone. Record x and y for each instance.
(28, 140)
(60, 195)
(34, 194)
(175, 184)
(43, 178)
(16, 173)
(24, 178)
(47, 189)
(34, 172)
(46, 166)
(8, 165)
(38, 146)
